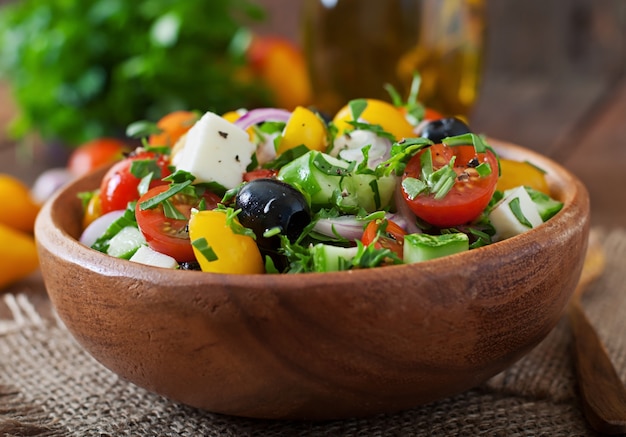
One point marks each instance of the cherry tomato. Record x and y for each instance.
(304, 127)
(281, 66)
(93, 210)
(167, 235)
(173, 126)
(378, 112)
(119, 185)
(95, 154)
(260, 173)
(236, 253)
(431, 114)
(390, 236)
(470, 193)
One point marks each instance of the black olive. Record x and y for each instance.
(189, 265)
(437, 130)
(268, 205)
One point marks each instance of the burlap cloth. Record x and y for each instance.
(50, 387)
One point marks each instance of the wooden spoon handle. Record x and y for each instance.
(602, 391)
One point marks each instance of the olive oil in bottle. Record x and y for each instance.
(355, 47)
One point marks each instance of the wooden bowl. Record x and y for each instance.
(318, 345)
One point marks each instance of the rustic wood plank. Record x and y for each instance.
(599, 161)
(533, 112)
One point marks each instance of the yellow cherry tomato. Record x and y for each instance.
(232, 116)
(92, 210)
(390, 118)
(304, 127)
(516, 173)
(18, 255)
(236, 253)
(19, 210)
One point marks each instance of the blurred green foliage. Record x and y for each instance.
(81, 69)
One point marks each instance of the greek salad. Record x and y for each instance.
(276, 191)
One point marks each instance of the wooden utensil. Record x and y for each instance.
(602, 391)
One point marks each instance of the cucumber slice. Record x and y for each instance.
(331, 182)
(546, 206)
(148, 256)
(422, 247)
(328, 258)
(126, 242)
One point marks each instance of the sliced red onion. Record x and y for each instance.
(404, 217)
(346, 226)
(98, 226)
(260, 115)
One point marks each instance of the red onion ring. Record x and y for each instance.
(404, 217)
(260, 115)
(346, 226)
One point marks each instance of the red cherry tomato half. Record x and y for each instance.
(96, 153)
(261, 173)
(167, 235)
(432, 114)
(470, 193)
(390, 236)
(119, 185)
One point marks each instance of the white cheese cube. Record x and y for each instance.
(147, 255)
(504, 220)
(216, 150)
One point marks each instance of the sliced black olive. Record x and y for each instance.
(270, 205)
(437, 130)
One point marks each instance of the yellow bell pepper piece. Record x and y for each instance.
(517, 173)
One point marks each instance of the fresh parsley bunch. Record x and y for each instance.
(81, 69)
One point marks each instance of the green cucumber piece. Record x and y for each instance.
(422, 247)
(126, 242)
(546, 206)
(328, 258)
(330, 182)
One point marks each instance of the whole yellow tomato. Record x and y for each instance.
(19, 210)
(18, 255)
(379, 112)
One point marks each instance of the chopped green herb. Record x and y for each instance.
(483, 169)
(375, 128)
(170, 211)
(141, 129)
(156, 200)
(272, 232)
(320, 162)
(516, 209)
(180, 176)
(85, 197)
(467, 139)
(235, 226)
(202, 245)
(144, 184)
(413, 187)
(357, 106)
(140, 168)
(401, 152)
